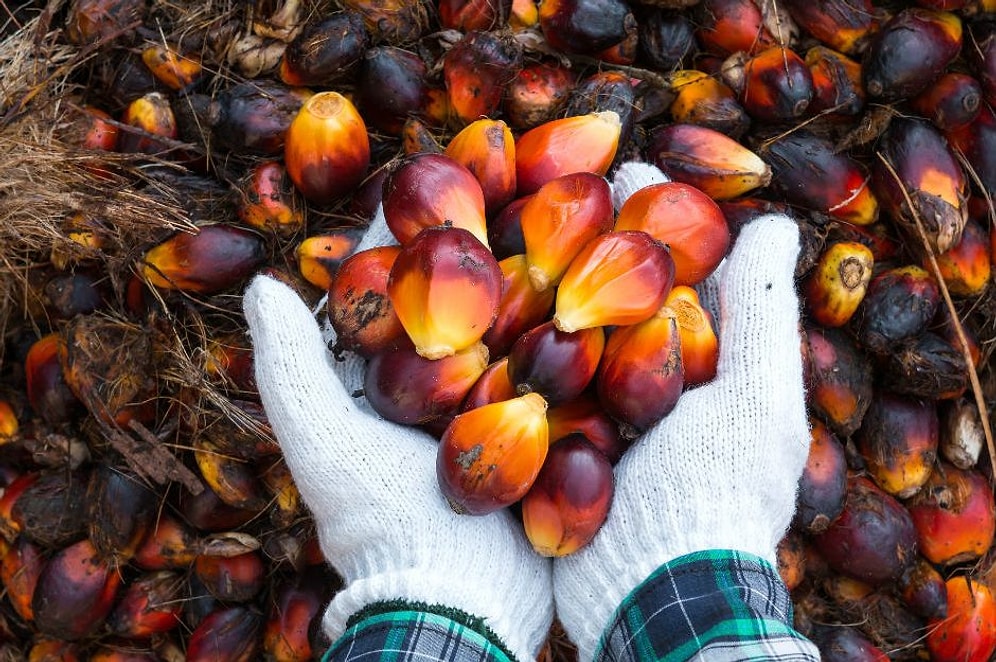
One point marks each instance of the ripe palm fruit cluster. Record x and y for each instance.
(156, 155)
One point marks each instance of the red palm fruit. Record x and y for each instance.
(48, 393)
(326, 148)
(706, 101)
(730, 26)
(359, 309)
(75, 592)
(640, 377)
(9, 526)
(325, 51)
(953, 100)
(898, 441)
(268, 200)
(53, 650)
(536, 94)
(505, 230)
(8, 422)
(231, 478)
(710, 161)
(151, 116)
(585, 26)
(928, 366)
(822, 485)
(837, 86)
(392, 85)
(686, 220)
(570, 498)
(490, 456)
(113, 651)
(320, 256)
(216, 258)
(120, 511)
(909, 52)
(169, 544)
(171, 68)
(428, 190)
(845, 643)
(559, 220)
(229, 361)
(618, 278)
(585, 415)
(582, 143)
(493, 385)
(835, 287)
(977, 142)
(522, 306)
(556, 364)
(898, 305)
(473, 15)
(930, 174)
(150, 604)
(810, 172)
(227, 634)
(207, 512)
(296, 604)
(961, 436)
(231, 578)
(954, 515)
(844, 25)
(395, 22)
(19, 570)
(253, 117)
(922, 588)
(790, 558)
(699, 344)
(486, 148)
(97, 132)
(406, 388)
(968, 632)
(90, 21)
(873, 539)
(475, 70)
(774, 85)
(839, 380)
(445, 287)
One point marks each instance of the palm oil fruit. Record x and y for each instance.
(898, 441)
(839, 376)
(152, 117)
(150, 604)
(570, 498)
(325, 51)
(967, 633)
(586, 27)
(952, 101)
(492, 386)
(269, 202)
(522, 306)
(486, 148)
(837, 87)
(489, 457)
(835, 287)
(823, 483)
(212, 260)
(706, 101)
(585, 415)
(559, 220)
(922, 588)
(699, 343)
(360, 310)
(582, 143)
(319, 256)
(326, 149)
(233, 629)
(725, 27)
(536, 94)
(966, 266)
(556, 364)
(843, 25)
(75, 592)
(254, 116)
(897, 306)
(391, 87)
(173, 69)
(426, 190)
(445, 287)
(954, 515)
(475, 70)
(775, 85)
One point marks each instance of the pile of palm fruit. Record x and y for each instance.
(156, 156)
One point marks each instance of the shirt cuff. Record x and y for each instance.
(710, 605)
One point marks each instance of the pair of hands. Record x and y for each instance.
(719, 472)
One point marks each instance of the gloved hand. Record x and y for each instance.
(720, 470)
(371, 486)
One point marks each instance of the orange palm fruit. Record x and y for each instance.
(407, 388)
(19, 570)
(536, 94)
(417, 137)
(170, 544)
(685, 219)
(774, 85)
(45, 649)
(954, 515)
(234, 630)
(326, 149)
(556, 364)
(475, 70)
(296, 603)
(966, 266)
(585, 415)
(559, 220)
(150, 604)
(708, 160)
(490, 456)
(472, 15)
(445, 287)
(618, 278)
(285, 498)
(522, 306)
(706, 101)
(523, 14)
(837, 87)
(640, 377)
(392, 21)
(96, 130)
(730, 26)
(605, 91)
(898, 440)
(320, 256)
(325, 51)
(231, 478)
(699, 344)
(839, 379)
(505, 230)
(216, 258)
(151, 116)
(977, 142)
(426, 190)
(48, 393)
(582, 143)
(486, 148)
(268, 200)
(823, 483)
(844, 25)
(8, 422)
(359, 308)
(570, 498)
(967, 633)
(810, 172)
(790, 559)
(254, 116)
(231, 578)
(493, 385)
(172, 69)
(835, 287)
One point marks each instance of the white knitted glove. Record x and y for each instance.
(371, 486)
(720, 471)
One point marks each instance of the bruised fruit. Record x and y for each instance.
(699, 344)
(359, 308)
(898, 305)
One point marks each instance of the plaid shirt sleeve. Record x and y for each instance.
(717, 605)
